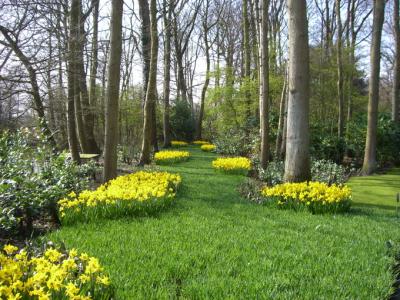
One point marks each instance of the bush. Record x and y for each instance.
(51, 274)
(325, 171)
(316, 197)
(237, 142)
(32, 180)
(137, 193)
(181, 121)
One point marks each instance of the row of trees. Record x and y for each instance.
(233, 51)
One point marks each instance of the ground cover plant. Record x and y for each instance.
(316, 197)
(143, 192)
(200, 143)
(29, 273)
(179, 144)
(214, 244)
(32, 179)
(233, 165)
(208, 147)
(170, 157)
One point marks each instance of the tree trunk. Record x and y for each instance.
(112, 97)
(297, 162)
(151, 93)
(246, 58)
(339, 60)
(264, 86)
(37, 100)
(396, 68)
(281, 123)
(167, 75)
(370, 163)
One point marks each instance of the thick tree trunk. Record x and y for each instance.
(264, 86)
(112, 97)
(297, 162)
(151, 93)
(370, 163)
(396, 68)
(167, 75)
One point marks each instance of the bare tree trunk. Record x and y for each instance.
(396, 68)
(370, 163)
(246, 57)
(264, 86)
(114, 66)
(167, 74)
(37, 100)
(297, 162)
(151, 93)
(339, 60)
(281, 123)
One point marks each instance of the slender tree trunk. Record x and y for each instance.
(112, 97)
(370, 163)
(167, 75)
(151, 93)
(281, 123)
(264, 86)
(37, 100)
(339, 60)
(247, 58)
(297, 162)
(396, 68)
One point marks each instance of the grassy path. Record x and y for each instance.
(214, 245)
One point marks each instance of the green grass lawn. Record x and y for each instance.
(376, 191)
(214, 245)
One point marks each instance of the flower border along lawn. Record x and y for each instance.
(213, 244)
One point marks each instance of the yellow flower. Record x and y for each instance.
(71, 289)
(52, 254)
(103, 280)
(200, 142)
(10, 249)
(179, 143)
(208, 147)
(232, 164)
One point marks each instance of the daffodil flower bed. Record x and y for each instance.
(167, 157)
(316, 197)
(179, 144)
(207, 147)
(201, 143)
(142, 192)
(234, 165)
(53, 274)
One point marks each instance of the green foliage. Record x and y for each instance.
(237, 142)
(321, 170)
(33, 179)
(182, 121)
(213, 244)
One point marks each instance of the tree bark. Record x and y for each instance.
(370, 163)
(167, 74)
(339, 59)
(151, 93)
(112, 96)
(396, 68)
(264, 86)
(246, 58)
(297, 161)
(281, 122)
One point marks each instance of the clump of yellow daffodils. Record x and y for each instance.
(166, 157)
(208, 147)
(179, 144)
(201, 143)
(316, 196)
(54, 274)
(239, 165)
(142, 191)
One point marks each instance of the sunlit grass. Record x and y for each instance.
(214, 245)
